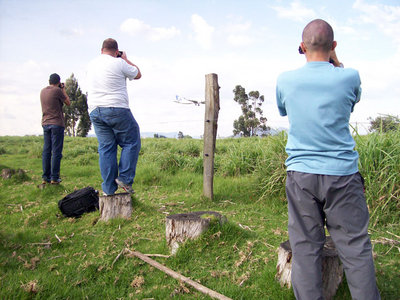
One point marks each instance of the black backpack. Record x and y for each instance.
(79, 202)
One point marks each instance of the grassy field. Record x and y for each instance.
(44, 255)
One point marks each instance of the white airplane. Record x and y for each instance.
(182, 100)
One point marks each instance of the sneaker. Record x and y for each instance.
(56, 181)
(45, 181)
(127, 188)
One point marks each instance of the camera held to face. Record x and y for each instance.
(120, 53)
(61, 85)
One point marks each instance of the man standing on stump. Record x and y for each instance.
(52, 99)
(111, 116)
(323, 184)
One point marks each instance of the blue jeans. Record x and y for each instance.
(52, 151)
(116, 126)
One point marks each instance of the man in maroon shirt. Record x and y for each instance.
(52, 99)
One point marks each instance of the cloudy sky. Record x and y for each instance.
(176, 43)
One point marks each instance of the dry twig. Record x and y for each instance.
(122, 251)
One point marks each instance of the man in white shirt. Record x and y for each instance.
(111, 116)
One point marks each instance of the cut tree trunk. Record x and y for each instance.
(115, 206)
(332, 270)
(8, 173)
(180, 227)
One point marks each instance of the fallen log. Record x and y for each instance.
(332, 270)
(194, 284)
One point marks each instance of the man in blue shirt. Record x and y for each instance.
(323, 185)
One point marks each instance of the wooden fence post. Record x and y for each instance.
(210, 133)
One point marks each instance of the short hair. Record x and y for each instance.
(318, 36)
(54, 78)
(110, 44)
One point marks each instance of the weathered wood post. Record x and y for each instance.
(210, 133)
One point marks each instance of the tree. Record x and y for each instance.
(182, 136)
(77, 121)
(384, 123)
(251, 122)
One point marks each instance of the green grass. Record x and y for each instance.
(237, 259)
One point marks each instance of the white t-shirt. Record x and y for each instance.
(107, 82)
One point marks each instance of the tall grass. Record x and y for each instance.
(379, 164)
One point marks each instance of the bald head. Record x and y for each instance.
(318, 36)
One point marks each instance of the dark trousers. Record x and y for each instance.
(339, 203)
(52, 151)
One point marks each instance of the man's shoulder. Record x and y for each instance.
(349, 75)
(290, 74)
(49, 89)
(104, 61)
(351, 72)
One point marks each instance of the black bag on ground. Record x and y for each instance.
(79, 202)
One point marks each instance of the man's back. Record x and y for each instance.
(318, 99)
(107, 82)
(52, 99)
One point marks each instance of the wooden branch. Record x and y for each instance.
(41, 244)
(197, 286)
(54, 257)
(122, 251)
(59, 240)
(158, 255)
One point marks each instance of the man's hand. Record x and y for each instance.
(123, 56)
(334, 58)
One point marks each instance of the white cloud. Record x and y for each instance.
(71, 32)
(203, 31)
(239, 34)
(386, 17)
(138, 27)
(239, 40)
(296, 12)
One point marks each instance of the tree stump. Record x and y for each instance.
(332, 270)
(8, 173)
(180, 227)
(115, 206)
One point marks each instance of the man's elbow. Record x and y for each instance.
(138, 76)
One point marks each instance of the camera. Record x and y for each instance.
(120, 53)
(61, 85)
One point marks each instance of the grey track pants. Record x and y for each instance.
(339, 203)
